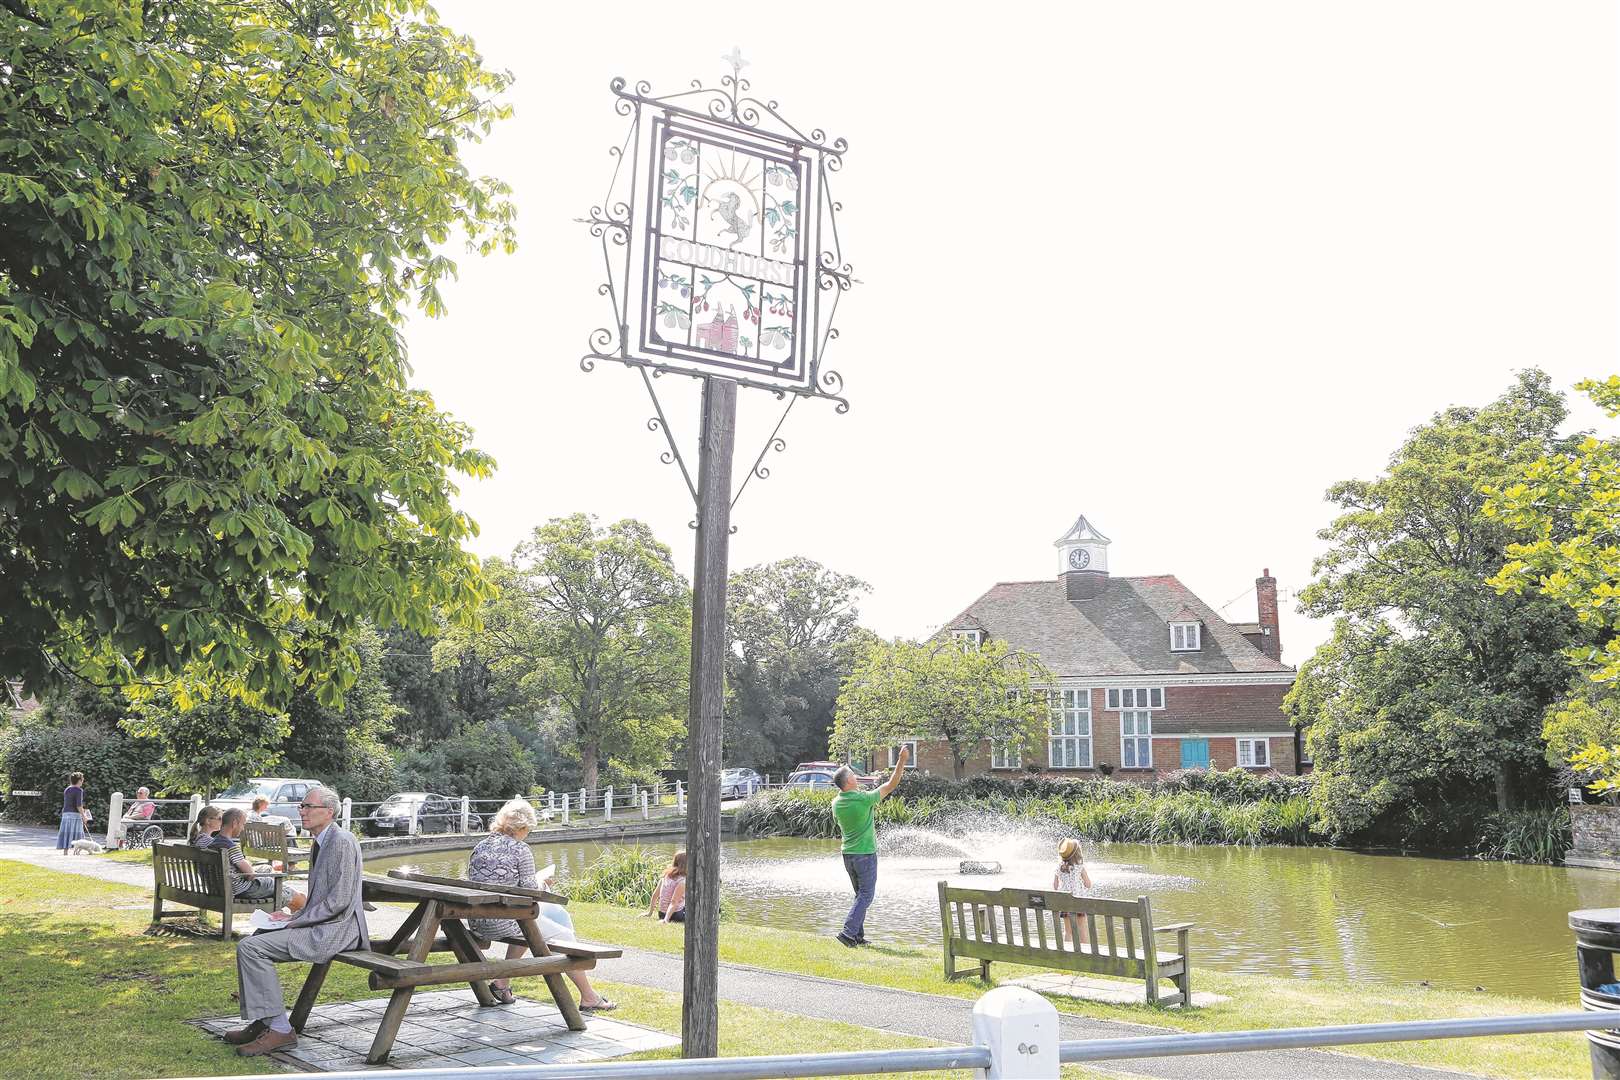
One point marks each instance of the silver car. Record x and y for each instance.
(740, 783)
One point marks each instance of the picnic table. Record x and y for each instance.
(438, 924)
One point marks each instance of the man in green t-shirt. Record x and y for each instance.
(854, 810)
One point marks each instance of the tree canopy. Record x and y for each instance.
(213, 220)
(794, 637)
(594, 621)
(946, 690)
(1431, 691)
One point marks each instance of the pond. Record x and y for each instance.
(1302, 912)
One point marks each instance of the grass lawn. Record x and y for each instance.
(84, 992)
(1256, 1001)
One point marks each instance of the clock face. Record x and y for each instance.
(1079, 558)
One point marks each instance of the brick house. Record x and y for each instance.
(1150, 678)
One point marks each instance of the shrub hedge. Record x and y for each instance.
(39, 758)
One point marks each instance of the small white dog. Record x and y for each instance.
(85, 846)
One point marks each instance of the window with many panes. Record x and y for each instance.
(1004, 755)
(969, 637)
(1135, 739)
(1069, 743)
(1253, 752)
(1141, 697)
(1184, 637)
(894, 753)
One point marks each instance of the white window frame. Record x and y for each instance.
(1069, 730)
(1186, 637)
(1135, 697)
(1135, 737)
(894, 753)
(1004, 755)
(1251, 745)
(970, 637)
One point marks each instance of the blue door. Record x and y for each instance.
(1195, 753)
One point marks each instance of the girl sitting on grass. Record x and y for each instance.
(669, 898)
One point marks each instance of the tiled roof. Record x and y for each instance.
(1122, 631)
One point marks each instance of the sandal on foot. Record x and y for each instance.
(502, 994)
(602, 1005)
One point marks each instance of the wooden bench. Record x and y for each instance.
(1023, 926)
(265, 841)
(200, 879)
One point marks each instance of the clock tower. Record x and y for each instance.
(1084, 566)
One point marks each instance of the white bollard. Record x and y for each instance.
(582, 803)
(348, 813)
(1021, 1029)
(115, 814)
(466, 814)
(646, 807)
(196, 808)
(565, 809)
(680, 796)
(551, 802)
(607, 805)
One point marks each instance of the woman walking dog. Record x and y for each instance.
(75, 815)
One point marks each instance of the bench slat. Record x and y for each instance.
(383, 963)
(438, 974)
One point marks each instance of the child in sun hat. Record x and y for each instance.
(1071, 878)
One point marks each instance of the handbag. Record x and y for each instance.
(88, 816)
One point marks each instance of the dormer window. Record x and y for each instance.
(974, 638)
(1185, 637)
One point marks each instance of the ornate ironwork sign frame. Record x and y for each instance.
(720, 241)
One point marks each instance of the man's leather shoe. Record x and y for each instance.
(242, 1035)
(269, 1043)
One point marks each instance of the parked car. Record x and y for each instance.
(820, 774)
(284, 793)
(739, 783)
(431, 813)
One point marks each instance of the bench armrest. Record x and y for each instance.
(1175, 926)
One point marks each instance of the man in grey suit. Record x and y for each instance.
(333, 920)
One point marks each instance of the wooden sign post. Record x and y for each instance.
(700, 1011)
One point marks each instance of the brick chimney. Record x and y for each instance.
(1265, 594)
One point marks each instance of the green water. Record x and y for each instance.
(1302, 912)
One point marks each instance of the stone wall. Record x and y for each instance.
(1597, 837)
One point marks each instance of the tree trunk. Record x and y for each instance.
(1504, 793)
(958, 763)
(588, 754)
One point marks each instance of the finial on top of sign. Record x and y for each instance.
(735, 59)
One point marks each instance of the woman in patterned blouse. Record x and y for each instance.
(502, 858)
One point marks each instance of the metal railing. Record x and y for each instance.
(1014, 1034)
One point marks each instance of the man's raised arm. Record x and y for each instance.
(899, 771)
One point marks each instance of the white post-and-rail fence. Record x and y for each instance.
(467, 815)
(1015, 1034)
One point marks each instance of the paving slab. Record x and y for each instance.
(338, 1036)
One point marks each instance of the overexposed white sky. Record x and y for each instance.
(1177, 265)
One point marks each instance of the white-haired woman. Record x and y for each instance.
(503, 858)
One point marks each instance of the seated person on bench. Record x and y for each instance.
(502, 858)
(244, 885)
(332, 921)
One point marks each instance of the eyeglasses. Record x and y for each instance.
(314, 806)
